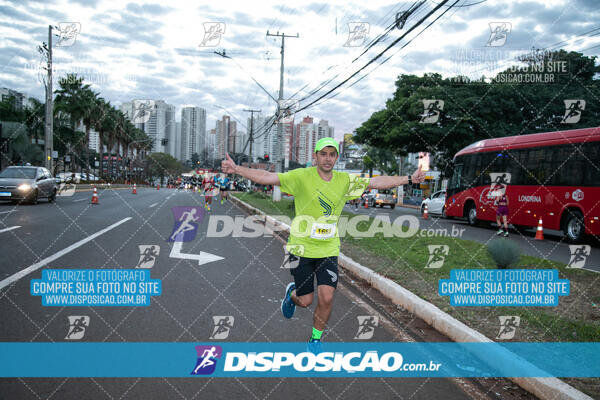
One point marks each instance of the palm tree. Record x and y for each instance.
(89, 99)
(70, 100)
(34, 119)
(103, 124)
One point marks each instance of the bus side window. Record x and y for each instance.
(487, 166)
(513, 167)
(576, 165)
(469, 177)
(592, 164)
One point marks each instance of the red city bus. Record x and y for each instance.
(554, 176)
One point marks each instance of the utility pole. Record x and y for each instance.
(281, 155)
(48, 145)
(251, 138)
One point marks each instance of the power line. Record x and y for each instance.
(329, 80)
(378, 55)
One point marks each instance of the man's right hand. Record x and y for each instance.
(227, 165)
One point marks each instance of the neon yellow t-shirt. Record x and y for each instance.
(318, 205)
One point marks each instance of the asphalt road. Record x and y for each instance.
(553, 247)
(246, 284)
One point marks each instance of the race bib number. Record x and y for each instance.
(322, 231)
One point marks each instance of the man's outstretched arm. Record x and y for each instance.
(255, 175)
(387, 182)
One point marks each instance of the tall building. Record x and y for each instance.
(211, 143)
(94, 139)
(305, 139)
(324, 130)
(6, 93)
(263, 134)
(160, 126)
(193, 132)
(240, 143)
(178, 141)
(170, 131)
(225, 129)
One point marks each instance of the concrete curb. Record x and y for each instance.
(544, 388)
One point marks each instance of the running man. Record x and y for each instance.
(224, 186)
(319, 197)
(186, 223)
(208, 185)
(207, 357)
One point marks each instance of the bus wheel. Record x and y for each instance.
(573, 227)
(471, 214)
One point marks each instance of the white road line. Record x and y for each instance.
(9, 229)
(79, 200)
(152, 205)
(47, 260)
(6, 212)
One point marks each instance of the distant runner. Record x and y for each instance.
(209, 187)
(224, 187)
(319, 195)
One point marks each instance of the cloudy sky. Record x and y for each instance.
(151, 50)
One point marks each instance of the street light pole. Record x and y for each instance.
(48, 137)
(281, 155)
(251, 138)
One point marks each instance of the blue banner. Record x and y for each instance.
(293, 360)
(504, 287)
(95, 287)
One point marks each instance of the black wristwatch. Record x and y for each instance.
(409, 180)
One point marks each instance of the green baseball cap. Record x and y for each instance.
(327, 141)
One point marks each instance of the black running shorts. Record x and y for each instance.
(324, 269)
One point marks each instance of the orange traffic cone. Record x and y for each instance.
(539, 234)
(366, 203)
(134, 191)
(425, 212)
(95, 196)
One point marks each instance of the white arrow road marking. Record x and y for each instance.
(10, 229)
(202, 257)
(47, 260)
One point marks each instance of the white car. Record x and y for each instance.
(436, 204)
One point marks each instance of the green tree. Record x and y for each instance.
(475, 109)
